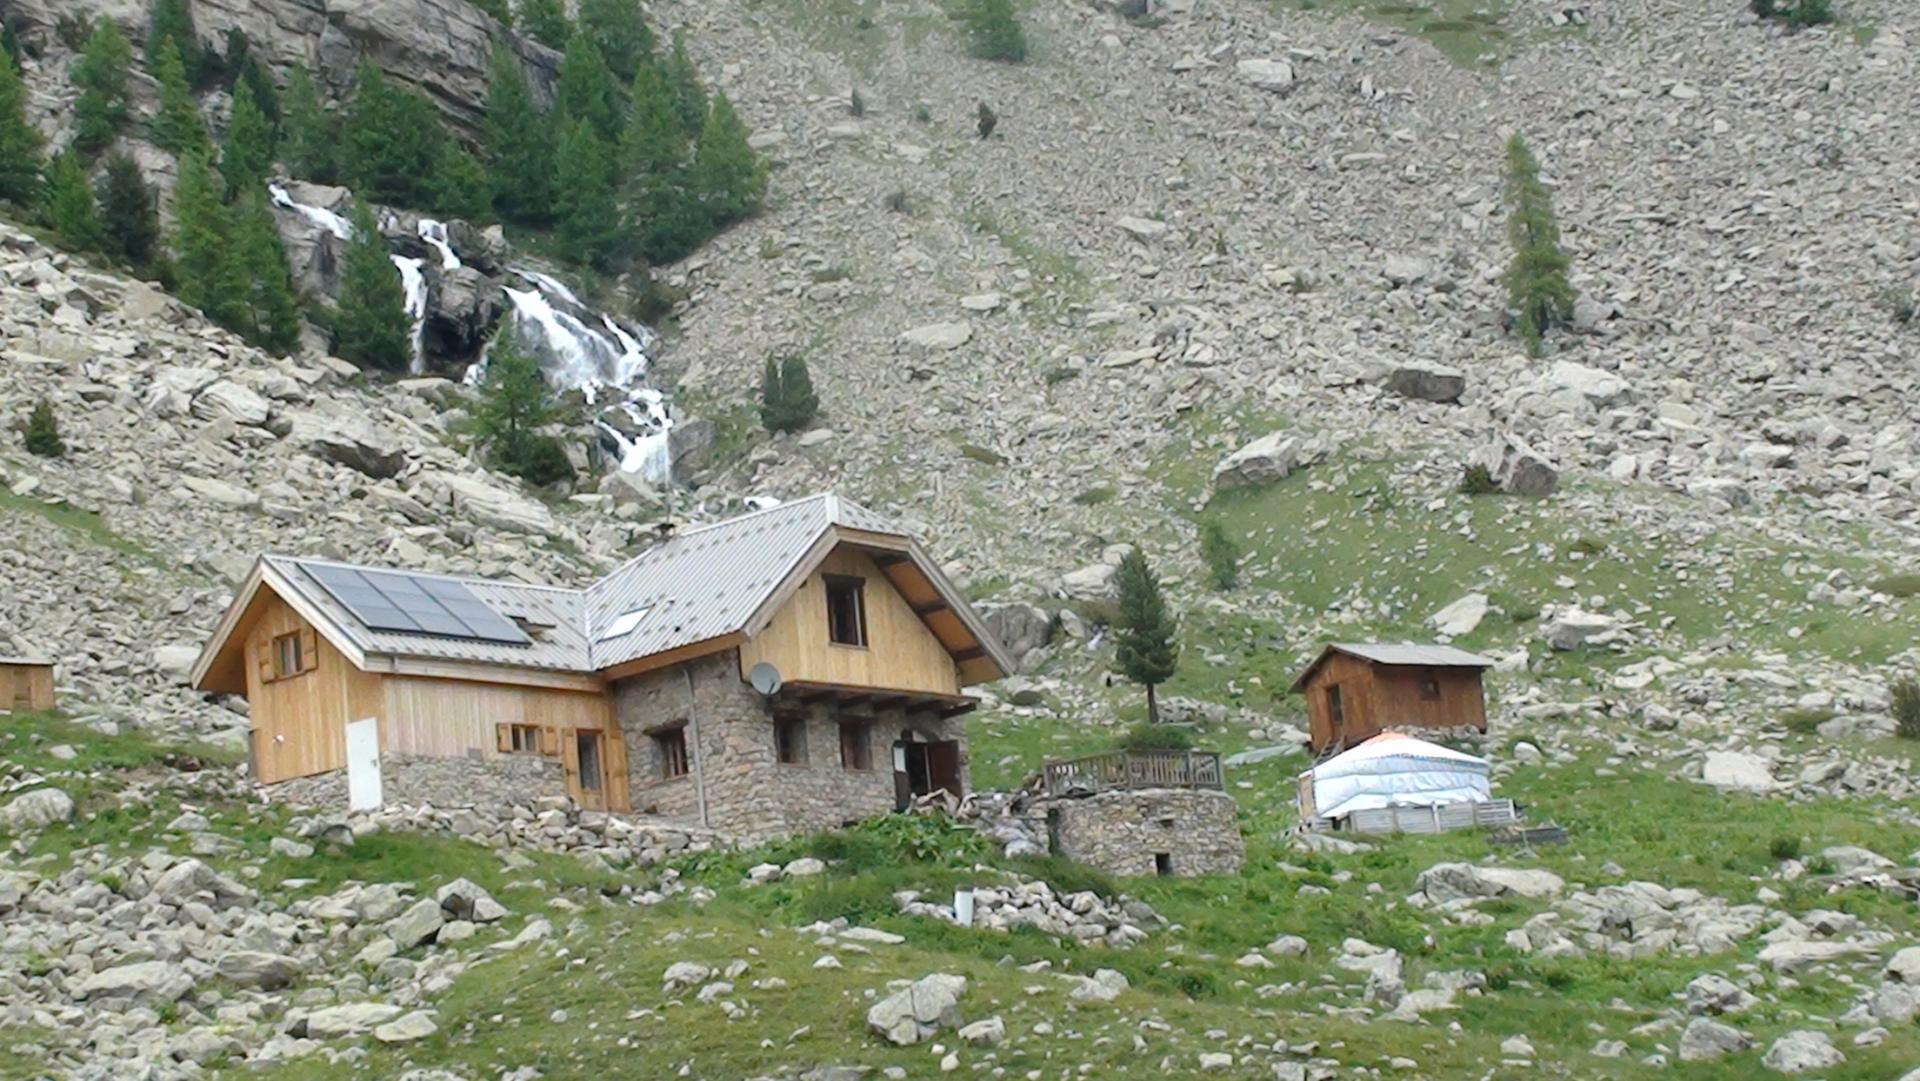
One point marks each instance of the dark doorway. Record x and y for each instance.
(920, 768)
(1163, 863)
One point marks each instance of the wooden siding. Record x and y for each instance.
(26, 687)
(446, 718)
(1375, 697)
(900, 654)
(299, 722)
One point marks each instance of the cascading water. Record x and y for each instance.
(435, 234)
(326, 219)
(413, 279)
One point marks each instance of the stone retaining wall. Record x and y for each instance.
(1122, 833)
(486, 783)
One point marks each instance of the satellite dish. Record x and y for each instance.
(765, 679)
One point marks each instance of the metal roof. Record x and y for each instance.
(1409, 654)
(33, 662)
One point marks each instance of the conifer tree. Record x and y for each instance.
(178, 127)
(43, 432)
(1143, 633)
(515, 402)
(248, 150)
(589, 214)
(587, 90)
(654, 141)
(496, 8)
(308, 134)
(520, 144)
(128, 214)
(461, 189)
(101, 75)
(371, 327)
(621, 32)
(391, 142)
(273, 316)
(1222, 556)
(249, 73)
(172, 24)
(995, 31)
(19, 141)
(546, 20)
(683, 79)
(787, 400)
(70, 209)
(729, 177)
(207, 275)
(1537, 288)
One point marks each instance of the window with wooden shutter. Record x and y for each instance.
(263, 658)
(309, 650)
(503, 738)
(525, 739)
(550, 742)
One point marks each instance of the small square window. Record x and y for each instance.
(671, 746)
(287, 656)
(790, 740)
(1430, 688)
(846, 610)
(523, 739)
(853, 747)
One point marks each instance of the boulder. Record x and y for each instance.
(690, 446)
(942, 336)
(1800, 1051)
(1798, 955)
(1849, 859)
(175, 661)
(1272, 457)
(918, 1011)
(1455, 881)
(1738, 770)
(1461, 617)
(1273, 76)
(362, 447)
(1142, 228)
(1021, 627)
(1704, 1040)
(461, 899)
(1427, 382)
(1598, 388)
(148, 982)
(1516, 468)
(1905, 967)
(227, 400)
(258, 969)
(406, 1028)
(1715, 994)
(191, 880)
(351, 1019)
(684, 974)
(1570, 628)
(419, 923)
(1104, 985)
(461, 312)
(494, 506)
(37, 809)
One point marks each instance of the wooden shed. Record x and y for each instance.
(26, 684)
(1356, 691)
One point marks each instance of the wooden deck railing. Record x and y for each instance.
(1133, 769)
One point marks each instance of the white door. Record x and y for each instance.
(363, 765)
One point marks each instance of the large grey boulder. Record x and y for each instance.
(1712, 993)
(1457, 881)
(258, 969)
(1461, 617)
(1802, 1050)
(1571, 627)
(1516, 468)
(1272, 457)
(463, 305)
(351, 1019)
(1427, 382)
(1905, 966)
(227, 400)
(940, 336)
(362, 447)
(1019, 626)
(1598, 388)
(1738, 770)
(419, 923)
(144, 981)
(1273, 76)
(918, 1011)
(1704, 1040)
(191, 880)
(461, 899)
(36, 809)
(491, 505)
(690, 447)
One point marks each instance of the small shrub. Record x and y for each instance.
(1155, 737)
(996, 33)
(1805, 722)
(1221, 554)
(1060, 374)
(1796, 14)
(654, 300)
(922, 114)
(1784, 848)
(787, 400)
(985, 120)
(1094, 497)
(856, 105)
(43, 432)
(839, 272)
(898, 202)
(1902, 304)
(973, 452)
(1478, 481)
(1897, 585)
(1906, 707)
(542, 461)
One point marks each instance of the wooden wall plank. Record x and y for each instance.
(901, 653)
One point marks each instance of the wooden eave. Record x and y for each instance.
(669, 657)
(221, 666)
(847, 696)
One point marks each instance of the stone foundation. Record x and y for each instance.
(1125, 833)
(486, 783)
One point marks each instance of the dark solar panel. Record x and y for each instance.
(405, 604)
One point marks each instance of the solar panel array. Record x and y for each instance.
(415, 604)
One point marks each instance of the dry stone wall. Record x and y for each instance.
(1124, 833)
(484, 783)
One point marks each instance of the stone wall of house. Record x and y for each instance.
(733, 762)
(488, 783)
(1122, 832)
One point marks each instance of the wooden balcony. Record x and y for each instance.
(1123, 770)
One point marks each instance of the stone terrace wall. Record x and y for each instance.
(1120, 832)
(484, 783)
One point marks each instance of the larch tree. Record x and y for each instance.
(622, 33)
(390, 142)
(787, 399)
(274, 313)
(308, 134)
(247, 152)
(178, 126)
(19, 141)
(371, 327)
(461, 189)
(728, 175)
(128, 213)
(42, 432)
(171, 24)
(101, 75)
(994, 31)
(1538, 292)
(547, 21)
(1143, 631)
(520, 144)
(587, 90)
(515, 402)
(206, 274)
(683, 80)
(70, 209)
(589, 213)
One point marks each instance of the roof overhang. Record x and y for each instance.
(806, 692)
(1333, 648)
(221, 665)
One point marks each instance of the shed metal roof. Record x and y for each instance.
(1408, 654)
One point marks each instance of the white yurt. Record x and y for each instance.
(1393, 770)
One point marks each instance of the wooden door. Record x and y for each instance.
(943, 767)
(584, 753)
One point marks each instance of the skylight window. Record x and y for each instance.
(624, 624)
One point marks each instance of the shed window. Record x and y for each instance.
(854, 753)
(1430, 687)
(520, 739)
(293, 653)
(1333, 706)
(671, 746)
(846, 610)
(790, 740)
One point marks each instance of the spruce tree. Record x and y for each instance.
(654, 141)
(69, 208)
(1537, 288)
(586, 89)
(128, 214)
(729, 177)
(1222, 556)
(247, 152)
(621, 32)
(683, 80)
(391, 142)
(994, 31)
(546, 20)
(43, 432)
(207, 274)
(1143, 642)
(666, 220)
(371, 327)
(520, 144)
(308, 134)
(589, 214)
(178, 126)
(19, 141)
(172, 24)
(461, 189)
(787, 400)
(249, 72)
(515, 402)
(101, 76)
(274, 314)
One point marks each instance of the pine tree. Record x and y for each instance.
(622, 33)
(995, 31)
(461, 189)
(666, 220)
(1143, 634)
(1537, 288)
(514, 403)
(43, 432)
(101, 76)
(787, 400)
(207, 274)
(683, 80)
(172, 24)
(128, 214)
(249, 73)
(19, 141)
(729, 177)
(308, 134)
(247, 152)
(520, 144)
(589, 214)
(586, 89)
(178, 126)
(391, 142)
(653, 142)
(371, 327)
(273, 313)
(1222, 556)
(546, 20)
(69, 207)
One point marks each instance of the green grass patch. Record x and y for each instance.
(84, 524)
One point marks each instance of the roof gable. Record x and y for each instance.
(1396, 654)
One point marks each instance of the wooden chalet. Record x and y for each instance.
(26, 684)
(1355, 691)
(793, 668)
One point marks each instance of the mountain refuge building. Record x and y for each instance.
(788, 670)
(1355, 691)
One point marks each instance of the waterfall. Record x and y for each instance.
(413, 279)
(326, 219)
(435, 234)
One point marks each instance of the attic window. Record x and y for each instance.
(624, 624)
(846, 610)
(287, 656)
(539, 630)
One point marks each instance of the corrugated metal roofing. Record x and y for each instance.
(40, 662)
(1414, 653)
